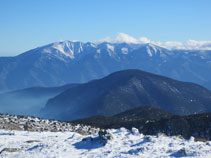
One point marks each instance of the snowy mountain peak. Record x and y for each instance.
(69, 50)
(64, 49)
(154, 50)
(72, 49)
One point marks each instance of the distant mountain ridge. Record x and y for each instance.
(29, 101)
(77, 62)
(128, 89)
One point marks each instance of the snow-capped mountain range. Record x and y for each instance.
(75, 62)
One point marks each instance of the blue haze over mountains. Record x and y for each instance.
(76, 62)
(125, 90)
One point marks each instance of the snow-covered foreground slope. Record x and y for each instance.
(123, 143)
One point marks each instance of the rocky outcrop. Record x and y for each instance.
(24, 123)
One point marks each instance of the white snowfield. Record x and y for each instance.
(123, 143)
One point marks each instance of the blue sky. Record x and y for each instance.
(26, 24)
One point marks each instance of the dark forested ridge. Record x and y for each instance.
(152, 121)
(128, 89)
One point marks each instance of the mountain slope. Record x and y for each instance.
(125, 90)
(76, 62)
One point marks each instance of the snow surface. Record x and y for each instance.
(124, 144)
(124, 50)
(61, 48)
(149, 52)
